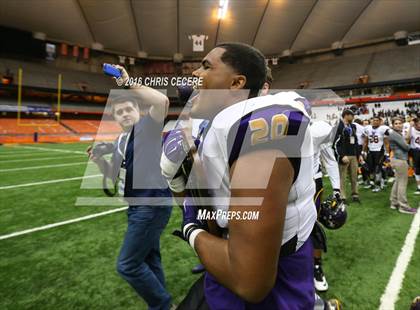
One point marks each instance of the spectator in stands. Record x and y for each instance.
(136, 163)
(399, 163)
(347, 152)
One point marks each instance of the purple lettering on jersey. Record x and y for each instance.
(293, 289)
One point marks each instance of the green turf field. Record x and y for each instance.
(73, 266)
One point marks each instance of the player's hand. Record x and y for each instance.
(175, 150)
(361, 160)
(191, 226)
(345, 160)
(337, 194)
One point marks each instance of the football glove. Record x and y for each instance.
(191, 226)
(175, 150)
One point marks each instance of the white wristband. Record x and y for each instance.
(194, 235)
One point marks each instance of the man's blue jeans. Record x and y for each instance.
(139, 262)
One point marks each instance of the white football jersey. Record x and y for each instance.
(270, 121)
(406, 128)
(375, 137)
(359, 134)
(321, 133)
(415, 138)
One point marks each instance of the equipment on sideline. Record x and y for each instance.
(332, 213)
(102, 149)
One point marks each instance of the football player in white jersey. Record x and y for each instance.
(406, 126)
(414, 140)
(256, 155)
(376, 149)
(321, 133)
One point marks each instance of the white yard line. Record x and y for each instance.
(49, 149)
(20, 155)
(35, 159)
(43, 167)
(49, 182)
(390, 296)
(45, 227)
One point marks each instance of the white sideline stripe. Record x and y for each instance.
(45, 227)
(34, 159)
(42, 167)
(48, 149)
(390, 296)
(50, 181)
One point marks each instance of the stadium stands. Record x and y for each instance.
(389, 65)
(92, 126)
(51, 131)
(43, 75)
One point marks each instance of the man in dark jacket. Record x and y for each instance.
(347, 153)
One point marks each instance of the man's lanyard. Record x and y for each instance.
(120, 138)
(122, 173)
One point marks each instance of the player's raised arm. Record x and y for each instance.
(251, 275)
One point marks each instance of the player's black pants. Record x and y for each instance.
(318, 235)
(374, 161)
(195, 299)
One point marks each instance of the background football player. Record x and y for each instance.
(376, 150)
(322, 134)
(414, 140)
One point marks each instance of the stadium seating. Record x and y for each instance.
(92, 126)
(394, 64)
(51, 131)
(29, 126)
(43, 75)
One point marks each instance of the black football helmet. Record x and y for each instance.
(332, 213)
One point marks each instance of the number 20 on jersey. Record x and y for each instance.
(262, 131)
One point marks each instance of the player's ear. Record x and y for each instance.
(238, 81)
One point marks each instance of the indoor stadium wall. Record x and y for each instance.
(46, 76)
(381, 66)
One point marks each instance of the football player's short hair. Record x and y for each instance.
(122, 99)
(416, 120)
(248, 61)
(358, 121)
(395, 119)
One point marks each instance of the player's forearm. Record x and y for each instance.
(232, 270)
(365, 145)
(387, 147)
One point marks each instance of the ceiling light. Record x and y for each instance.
(223, 5)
